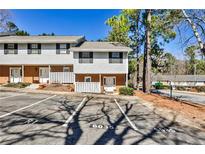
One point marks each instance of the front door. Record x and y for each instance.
(15, 75)
(44, 74)
(109, 84)
(109, 81)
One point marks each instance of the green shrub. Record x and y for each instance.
(159, 85)
(17, 85)
(130, 85)
(126, 91)
(200, 89)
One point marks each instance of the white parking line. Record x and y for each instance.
(23, 108)
(130, 122)
(13, 96)
(74, 113)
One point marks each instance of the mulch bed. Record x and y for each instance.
(56, 87)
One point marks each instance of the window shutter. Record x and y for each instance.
(5, 49)
(80, 54)
(57, 48)
(15, 48)
(80, 57)
(121, 55)
(91, 54)
(91, 57)
(67, 48)
(39, 48)
(110, 57)
(29, 48)
(110, 54)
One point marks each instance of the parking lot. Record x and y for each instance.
(27, 118)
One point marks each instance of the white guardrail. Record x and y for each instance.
(92, 87)
(61, 77)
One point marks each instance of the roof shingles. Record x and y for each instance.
(41, 39)
(101, 46)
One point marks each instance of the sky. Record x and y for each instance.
(89, 23)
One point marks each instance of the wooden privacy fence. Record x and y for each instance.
(92, 87)
(61, 77)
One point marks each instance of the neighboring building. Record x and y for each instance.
(90, 66)
(180, 80)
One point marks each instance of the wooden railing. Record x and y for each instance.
(90, 87)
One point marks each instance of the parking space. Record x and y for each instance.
(5, 95)
(58, 119)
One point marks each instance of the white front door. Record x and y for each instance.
(109, 84)
(109, 81)
(15, 74)
(44, 74)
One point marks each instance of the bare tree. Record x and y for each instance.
(147, 57)
(195, 31)
(4, 18)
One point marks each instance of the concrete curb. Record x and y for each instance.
(66, 93)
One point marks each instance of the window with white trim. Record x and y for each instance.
(87, 79)
(62, 48)
(115, 57)
(66, 69)
(85, 57)
(34, 48)
(109, 81)
(10, 48)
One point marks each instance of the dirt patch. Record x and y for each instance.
(57, 87)
(193, 112)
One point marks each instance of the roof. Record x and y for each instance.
(41, 39)
(101, 47)
(178, 78)
(7, 34)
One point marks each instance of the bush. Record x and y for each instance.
(126, 91)
(130, 85)
(17, 85)
(200, 89)
(159, 85)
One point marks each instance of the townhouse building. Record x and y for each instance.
(89, 66)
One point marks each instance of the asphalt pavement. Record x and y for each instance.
(186, 96)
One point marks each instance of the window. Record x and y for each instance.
(87, 79)
(62, 48)
(66, 69)
(85, 57)
(11, 48)
(110, 81)
(115, 57)
(34, 48)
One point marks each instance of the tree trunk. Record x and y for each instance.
(138, 73)
(147, 57)
(138, 51)
(196, 33)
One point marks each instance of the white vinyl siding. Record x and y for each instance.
(47, 56)
(100, 64)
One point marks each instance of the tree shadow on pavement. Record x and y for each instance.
(74, 131)
(111, 133)
(158, 131)
(30, 127)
